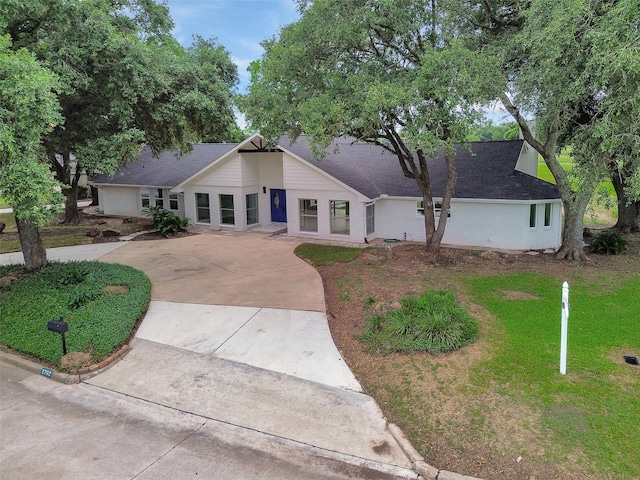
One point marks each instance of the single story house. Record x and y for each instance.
(356, 192)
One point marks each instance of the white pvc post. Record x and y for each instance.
(564, 327)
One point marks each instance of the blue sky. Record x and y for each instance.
(238, 25)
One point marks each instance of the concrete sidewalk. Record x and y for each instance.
(65, 254)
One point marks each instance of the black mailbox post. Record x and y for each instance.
(61, 327)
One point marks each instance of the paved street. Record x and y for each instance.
(54, 431)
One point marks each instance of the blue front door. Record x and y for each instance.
(278, 205)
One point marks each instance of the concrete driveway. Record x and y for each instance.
(242, 269)
(236, 332)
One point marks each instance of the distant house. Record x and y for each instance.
(356, 191)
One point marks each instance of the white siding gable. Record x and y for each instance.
(528, 160)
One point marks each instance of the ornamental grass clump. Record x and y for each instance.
(433, 323)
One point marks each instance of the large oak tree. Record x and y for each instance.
(573, 67)
(28, 110)
(125, 82)
(395, 73)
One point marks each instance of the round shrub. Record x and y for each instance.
(608, 242)
(433, 323)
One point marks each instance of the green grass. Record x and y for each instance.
(317, 254)
(99, 321)
(3, 202)
(603, 204)
(432, 323)
(8, 246)
(594, 410)
(565, 159)
(76, 235)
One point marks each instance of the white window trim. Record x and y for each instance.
(256, 208)
(533, 215)
(306, 215)
(174, 197)
(347, 218)
(549, 226)
(208, 207)
(222, 224)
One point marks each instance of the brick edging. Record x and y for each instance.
(71, 377)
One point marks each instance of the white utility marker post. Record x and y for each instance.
(563, 329)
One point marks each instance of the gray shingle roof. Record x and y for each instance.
(168, 170)
(487, 172)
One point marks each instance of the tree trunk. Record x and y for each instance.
(432, 244)
(70, 188)
(628, 215)
(421, 176)
(95, 201)
(35, 256)
(572, 247)
(574, 202)
(449, 188)
(71, 215)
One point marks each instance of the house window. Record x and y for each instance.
(173, 201)
(159, 197)
(339, 215)
(252, 208)
(227, 215)
(547, 214)
(203, 212)
(370, 214)
(532, 215)
(144, 196)
(437, 208)
(308, 215)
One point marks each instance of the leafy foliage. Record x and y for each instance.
(433, 323)
(166, 222)
(574, 66)
(125, 82)
(609, 242)
(98, 323)
(393, 73)
(28, 110)
(74, 273)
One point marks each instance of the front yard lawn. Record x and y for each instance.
(592, 413)
(499, 408)
(101, 302)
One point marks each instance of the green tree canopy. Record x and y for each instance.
(28, 110)
(393, 73)
(126, 82)
(573, 66)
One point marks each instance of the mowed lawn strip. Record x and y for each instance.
(593, 412)
(101, 302)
